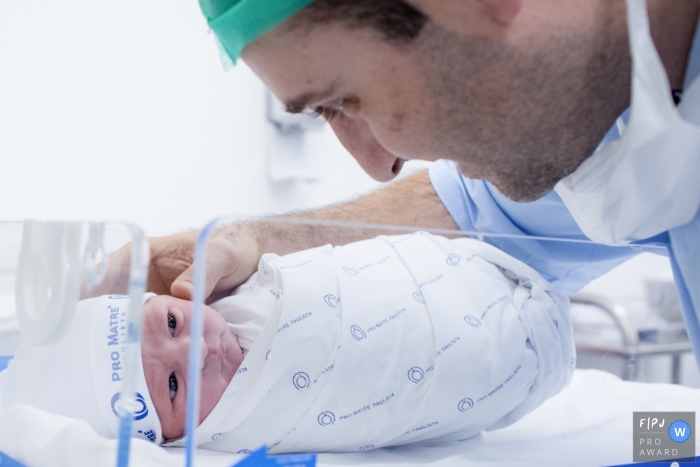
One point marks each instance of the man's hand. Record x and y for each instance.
(232, 256)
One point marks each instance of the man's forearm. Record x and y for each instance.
(408, 202)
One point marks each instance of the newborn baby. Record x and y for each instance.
(378, 343)
(81, 375)
(164, 352)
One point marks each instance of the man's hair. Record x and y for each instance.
(396, 20)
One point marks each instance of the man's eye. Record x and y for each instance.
(328, 113)
(173, 386)
(172, 324)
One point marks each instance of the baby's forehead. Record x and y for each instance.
(167, 301)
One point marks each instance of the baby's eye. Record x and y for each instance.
(173, 386)
(172, 323)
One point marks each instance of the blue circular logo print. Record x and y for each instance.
(679, 431)
(472, 321)
(245, 451)
(351, 271)
(217, 436)
(454, 259)
(416, 374)
(331, 300)
(465, 404)
(419, 297)
(357, 333)
(301, 380)
(367, 447)
(139, 414)
(326, 418)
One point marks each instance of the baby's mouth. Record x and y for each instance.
(220, 355)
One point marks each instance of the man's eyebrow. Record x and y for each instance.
(298, 104)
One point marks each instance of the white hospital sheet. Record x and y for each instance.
(587, 424)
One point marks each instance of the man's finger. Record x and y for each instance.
(183, 286)
(218, 267)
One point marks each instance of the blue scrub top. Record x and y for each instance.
(478, 206)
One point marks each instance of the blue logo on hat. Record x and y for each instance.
(326, 418)
(301, 380)
(150, 434)
(465, 404)
(138, 414)
(351, 271)
(454, 259)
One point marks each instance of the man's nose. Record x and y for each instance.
(357, 137)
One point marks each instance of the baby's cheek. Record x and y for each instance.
(213, 388)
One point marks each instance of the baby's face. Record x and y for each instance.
(164, 350)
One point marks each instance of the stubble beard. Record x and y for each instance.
(525, 117)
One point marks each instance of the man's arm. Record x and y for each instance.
(235, 250)
(408, 202)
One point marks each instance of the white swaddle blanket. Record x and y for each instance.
(391, 341)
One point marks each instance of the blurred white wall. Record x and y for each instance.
(121, 110)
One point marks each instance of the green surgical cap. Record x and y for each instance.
(237, 23)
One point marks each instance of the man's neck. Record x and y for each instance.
(673, 25)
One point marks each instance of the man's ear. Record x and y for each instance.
(503, 11)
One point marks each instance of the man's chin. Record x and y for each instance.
(520, 189)
(469, 171)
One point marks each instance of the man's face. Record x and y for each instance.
(385, 104)
(520, 106)
(165, 350)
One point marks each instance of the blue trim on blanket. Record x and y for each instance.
(7, 461)
(259, 458)
(687, 463)
(4, 361)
